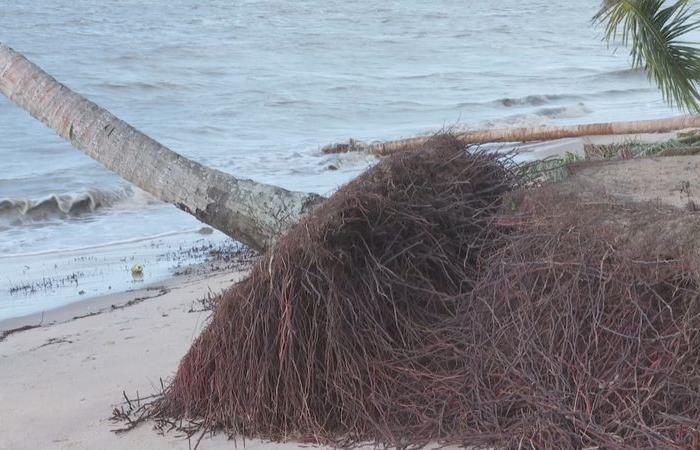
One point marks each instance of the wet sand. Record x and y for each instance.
(58, 383)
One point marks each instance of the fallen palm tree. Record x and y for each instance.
(425, 301)
(548, 133)
(656, 33)
(254, 213)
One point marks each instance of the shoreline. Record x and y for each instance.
(219, 264)
(65, 376)
(89, 306)
(36, 283)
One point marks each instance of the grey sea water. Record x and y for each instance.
(254, 88)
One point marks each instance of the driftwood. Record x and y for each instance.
(523, 134)
(254, 213)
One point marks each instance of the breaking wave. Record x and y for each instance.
(622, 74)
(529, 100)
(142, 86)
(533, 100)
(564, 112)
(537, 118)
(70, 205)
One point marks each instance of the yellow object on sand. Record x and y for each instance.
(137, 269)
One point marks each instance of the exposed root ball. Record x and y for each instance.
(417, 305)
(337, 333)
(583, 333)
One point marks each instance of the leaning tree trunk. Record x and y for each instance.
(253, 213)
(524, 134)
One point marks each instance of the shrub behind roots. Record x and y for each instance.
(415, 306)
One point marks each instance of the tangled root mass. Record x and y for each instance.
(416, 306)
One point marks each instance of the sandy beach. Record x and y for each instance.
(396, 225)
(59, 382)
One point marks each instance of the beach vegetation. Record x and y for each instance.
(656, 33)
(555, 168)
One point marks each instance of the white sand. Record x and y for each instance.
(59, 382)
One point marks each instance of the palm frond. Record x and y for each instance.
(653, 30)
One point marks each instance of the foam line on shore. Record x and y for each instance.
(102, 245)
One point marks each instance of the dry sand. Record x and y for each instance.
(59, 381)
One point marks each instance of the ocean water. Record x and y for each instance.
(255, 88)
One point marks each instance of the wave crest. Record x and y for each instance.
(69, 205)
(533, 100)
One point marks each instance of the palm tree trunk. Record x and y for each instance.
(253, 213)
(525, 134)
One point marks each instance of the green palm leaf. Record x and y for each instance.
(653, 30)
